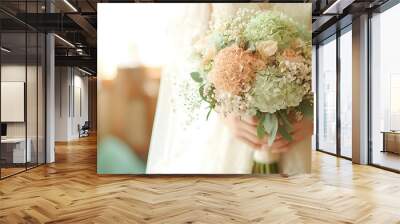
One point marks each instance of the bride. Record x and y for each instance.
(184, 141)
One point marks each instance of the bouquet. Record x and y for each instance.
(257, 63)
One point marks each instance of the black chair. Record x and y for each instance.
(84, 130)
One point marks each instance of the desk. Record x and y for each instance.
(391, 141)
(15, 148)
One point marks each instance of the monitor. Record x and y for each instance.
(3, 129)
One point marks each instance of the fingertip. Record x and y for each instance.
(251, 121)
(257, 147)
(254, 119)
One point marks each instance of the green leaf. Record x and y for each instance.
(285, 120)
(267, 122)
(260, 126)
(260, 131)
(196, 77)
(285, 134)
(271, 124)
(259, 114)
(306, 107)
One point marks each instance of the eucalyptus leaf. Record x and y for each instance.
(307, 109)
(271, 126)
(260, 126)
(267, 122)
(285, 134)
(196, 77)
(259, 114)
(260, 130)
(285, 120)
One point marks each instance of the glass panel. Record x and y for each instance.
(385, 84)
(32, 89)
(22, 89)
(346, 94)
(327, 96)
(41, 98)
(13, 92)
(313, 79)
(31, 100)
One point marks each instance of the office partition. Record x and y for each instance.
(22, 77)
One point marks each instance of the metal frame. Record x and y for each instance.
(369, 77)
(389, 4)
(339, 32)
(44, 74)
(0, 92)
(338, 98)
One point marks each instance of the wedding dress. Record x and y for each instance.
(205, 146)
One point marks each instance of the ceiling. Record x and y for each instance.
(75, 21)
(332, 15)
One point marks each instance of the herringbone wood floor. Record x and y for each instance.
(70, 191)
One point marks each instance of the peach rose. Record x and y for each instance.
(267, 48)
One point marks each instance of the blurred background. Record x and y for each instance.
(131, 45)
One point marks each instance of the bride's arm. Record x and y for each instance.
(246, 130)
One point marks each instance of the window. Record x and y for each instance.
(327, 96)
(346, 92)
(385, 89)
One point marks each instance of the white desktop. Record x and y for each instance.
(18, 148)
(16, 145)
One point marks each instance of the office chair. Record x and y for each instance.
(84, 130)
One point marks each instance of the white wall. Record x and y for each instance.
(12, 73)
(62, 81)
(70, 83)
(34, 126)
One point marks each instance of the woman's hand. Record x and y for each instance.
(246, 130)
(301, 130)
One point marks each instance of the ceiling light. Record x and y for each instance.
(5, 50)
(84, 71)
(70, 5)
(65, 41)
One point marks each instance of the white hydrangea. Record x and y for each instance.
(274, 90)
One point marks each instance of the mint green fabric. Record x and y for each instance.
(115, 157)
